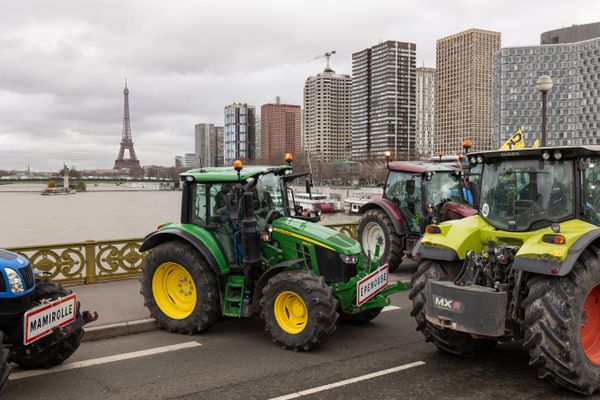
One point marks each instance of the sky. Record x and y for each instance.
(63, 64)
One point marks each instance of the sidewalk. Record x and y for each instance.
(121, 310)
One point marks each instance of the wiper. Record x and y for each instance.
(540, 223)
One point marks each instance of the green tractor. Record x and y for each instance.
(240, 250)
(526, 268)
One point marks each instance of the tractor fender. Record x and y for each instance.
(157, 237)
(553, 268)
(268, 274)
(391, 210)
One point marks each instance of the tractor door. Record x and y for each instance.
(210, 210)
(404, 190)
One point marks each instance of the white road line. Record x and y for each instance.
(102, 360)
(390, 308)
(348, 381)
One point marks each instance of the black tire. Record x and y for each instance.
(554, 315)
(30, 356)
(320, 308)
(4, 365)
(360, 318)
(447, 340)
(207, 309)
(394, 244)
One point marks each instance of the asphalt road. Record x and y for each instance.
(236, 359)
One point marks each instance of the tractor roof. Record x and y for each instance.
(418, 167)
(566, 152)
(228, 174)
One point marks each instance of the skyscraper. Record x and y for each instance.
(208, 144)
(280, 130)
(326, 116)
(383, 101)
(425, 112)
(463, 90)
(240, 133)
(573, 103)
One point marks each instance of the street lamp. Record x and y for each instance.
(544, 84)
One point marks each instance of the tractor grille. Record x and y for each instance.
(303, 253)
(27, 274)
(332, 267)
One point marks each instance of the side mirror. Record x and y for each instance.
(232, 205)
(474, 194)
(308, 186)
(410, 186)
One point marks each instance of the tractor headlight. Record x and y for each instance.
(479, 159)
(353, 259)
(14, 280)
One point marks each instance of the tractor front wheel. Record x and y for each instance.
(376, 227)
(562, 325)
(31, 356)
(445, 339)
(299, 310)
(179, 288)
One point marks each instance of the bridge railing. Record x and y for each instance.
(96, 261)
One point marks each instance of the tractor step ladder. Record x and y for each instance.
(234, 296)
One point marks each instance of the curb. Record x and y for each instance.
(109, 331)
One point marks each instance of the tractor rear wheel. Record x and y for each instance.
(562, 325)
(377, 226)
(30, 356)
(179, 288)
(360, 318)
(299, 310)
(447, 340)
(4, 366)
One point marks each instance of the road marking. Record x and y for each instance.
(390, 308)
(348, 381)
(103, 360)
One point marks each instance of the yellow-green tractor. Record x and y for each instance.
(527, 267)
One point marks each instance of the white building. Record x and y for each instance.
(425, 112)
(326, 116)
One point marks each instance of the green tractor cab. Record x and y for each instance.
(526, 268)
(240, 250)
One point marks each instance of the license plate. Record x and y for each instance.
(371, 284)
(40, 321)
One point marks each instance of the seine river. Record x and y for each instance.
(104, 212)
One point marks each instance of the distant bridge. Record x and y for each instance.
(86, 180)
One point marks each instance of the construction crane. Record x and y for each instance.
(327, 56)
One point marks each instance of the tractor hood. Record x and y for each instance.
(316, 234)
(12, 260)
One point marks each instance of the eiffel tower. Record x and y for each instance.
(126, 143)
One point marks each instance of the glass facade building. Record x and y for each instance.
(383, 101)
(573, 102)
(240, 133)
(425, 112)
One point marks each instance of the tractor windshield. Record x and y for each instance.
(527, 194)
(269, 195)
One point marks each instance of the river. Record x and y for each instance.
(105, 212)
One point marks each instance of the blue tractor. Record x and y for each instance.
(41, 324)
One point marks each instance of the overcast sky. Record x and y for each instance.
(63, 63)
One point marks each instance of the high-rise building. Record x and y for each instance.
(326, 116)
(189, 160)
(240, 133)
(573, 102)
(571, 34)
(425, 112)
(463, 90)
(383, 101)
(280, 130)
(178, 161)
(208, 144)
(258, 138)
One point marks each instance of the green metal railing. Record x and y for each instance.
(96, 261)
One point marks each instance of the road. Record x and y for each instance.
(236, 359)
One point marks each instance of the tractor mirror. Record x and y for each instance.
(233, 205)
(474, 193)
(308, 186)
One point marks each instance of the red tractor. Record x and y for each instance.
(416, 194)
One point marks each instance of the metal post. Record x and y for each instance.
(544, 100)
(90, 261)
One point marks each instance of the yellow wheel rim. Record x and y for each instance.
(174, 290)
(290, 312)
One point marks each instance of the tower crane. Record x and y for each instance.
(327, 55)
